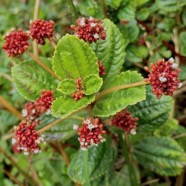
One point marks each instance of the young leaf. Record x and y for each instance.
(73, 58)
(160, 154)
(65, 105)
(113, 102)
(111, 52)
(99, 161)
(92, 84)
(67, 86)
(30, 79)
(152, 112)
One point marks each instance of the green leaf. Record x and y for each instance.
(114, 3)
(99, 161)
(73, 58)
(152, 112)
(113, 102)
(182, 43)
(65, 105)
(160, 154)
(30, 79)
(92, 84)
(143, 14)
(111, 52)
(67, 86)
(127, 13)
(184, 16)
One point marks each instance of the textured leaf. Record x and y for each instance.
(118, 100)
(143, 14)
(182, 42)
(152, 112)
(65, 105)
(127, 13)
(73, 58)
(30, 79)
(113, 3)
(99, 161)
(160, 154)
(67, 86)
(92, 84)
(111, 52)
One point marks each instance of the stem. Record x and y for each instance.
(6, 76)
(63, 153)
(10, 108)
(132, 173)
(29, 178)
(73, 10)
(120, 88)
(36, 12)
(86, 172)
(104, 8)
(53, 44)
(42, 64)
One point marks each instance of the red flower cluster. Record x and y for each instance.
(26, 139)
(90, 133)
(101, 68)
(16, 42)
(89, 29)
(125, 121)
(40, 30)
(164, 77)
(79, 93)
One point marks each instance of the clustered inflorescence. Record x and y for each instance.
(16, 42)
(90, 133)
(26, 138)
(125, 121)
(79, 92)
(164, 77)
(40, 30)
(89, 29)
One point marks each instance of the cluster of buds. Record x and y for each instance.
(40, 30)
(101, 68)
(164, 77)
(125, 121)
(89, 29)
(26, 139)
(90, 133)
(16, 42)
(79, 93)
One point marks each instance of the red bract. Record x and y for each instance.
(101, 68)
(89, 29)
(44, 103)
(27, 139)
(16, 42)
(79, 93)
(125, 121)
(41, 30)
(90, 133)
(164, 77)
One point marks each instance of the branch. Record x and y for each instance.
(63, 153)
(104, 8)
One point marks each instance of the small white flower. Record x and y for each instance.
(91, 18)
(26, 153)
(75, 127)
(92, 24)
(83, 148)
(87, 121)
(102, 140)
(174, 65)
(96, 36)
(180, 85)
(13, 140)
(133, 131)
(36, 151)
(33, 111)
(48, 112)
(24, 112)
(91, 126)
(162, 79)
(171, 60)
(82, 21)
(82, 143)
(83, 139)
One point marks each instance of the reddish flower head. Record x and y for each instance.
(125, 121)
(101, 68)
(164, 77)
(44, 103)
(41, 30)
(79, 93)
(89, 29)
(27, 139)
(90, 133)
(16, 42)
